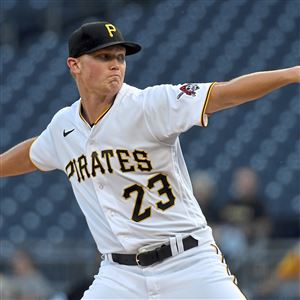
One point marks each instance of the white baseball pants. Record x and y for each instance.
(198, 273)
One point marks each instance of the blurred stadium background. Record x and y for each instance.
(183, 41)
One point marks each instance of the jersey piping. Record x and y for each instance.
(103, 114)
(98, 119)
(204, 121)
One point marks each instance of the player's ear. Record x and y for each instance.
(73, 64)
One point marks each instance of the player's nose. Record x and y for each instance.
(114, 64)
(115, 67)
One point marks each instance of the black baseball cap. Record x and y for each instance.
(93, 36)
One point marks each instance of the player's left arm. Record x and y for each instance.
(249, 87)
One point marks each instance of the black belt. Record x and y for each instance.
(148, 258)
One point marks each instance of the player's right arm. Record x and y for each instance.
(16, 161)
(250, 87)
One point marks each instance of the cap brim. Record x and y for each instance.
(131, 48)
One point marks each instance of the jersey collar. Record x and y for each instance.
(119, 95)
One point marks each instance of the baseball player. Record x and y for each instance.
(119, 147)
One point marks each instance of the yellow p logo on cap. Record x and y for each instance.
(110, 29)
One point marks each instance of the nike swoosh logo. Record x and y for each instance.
(65, 133)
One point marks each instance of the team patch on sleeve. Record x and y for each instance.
(188, 89)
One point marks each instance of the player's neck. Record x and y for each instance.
(93, 107)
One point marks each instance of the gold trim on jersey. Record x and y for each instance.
(81, 116)
(98, 119)
(202, 121)
(103, 114)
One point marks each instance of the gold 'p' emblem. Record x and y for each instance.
(110, 29)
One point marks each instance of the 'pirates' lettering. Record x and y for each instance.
(141, 158)
(121, 153)
(70, 169)
(82, 162)
(96, 164)
(108, 154)
(76, 169)
(104, 161)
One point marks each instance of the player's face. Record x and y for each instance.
(103, 71)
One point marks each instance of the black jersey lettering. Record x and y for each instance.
(143, 163)
(96, 164)
(82, 163)
(122, 153)
(107, 154)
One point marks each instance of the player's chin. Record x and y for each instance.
(115, 84)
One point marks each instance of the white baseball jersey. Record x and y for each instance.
(127, 171)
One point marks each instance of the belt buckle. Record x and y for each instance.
(148, 248)
(140, 251)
